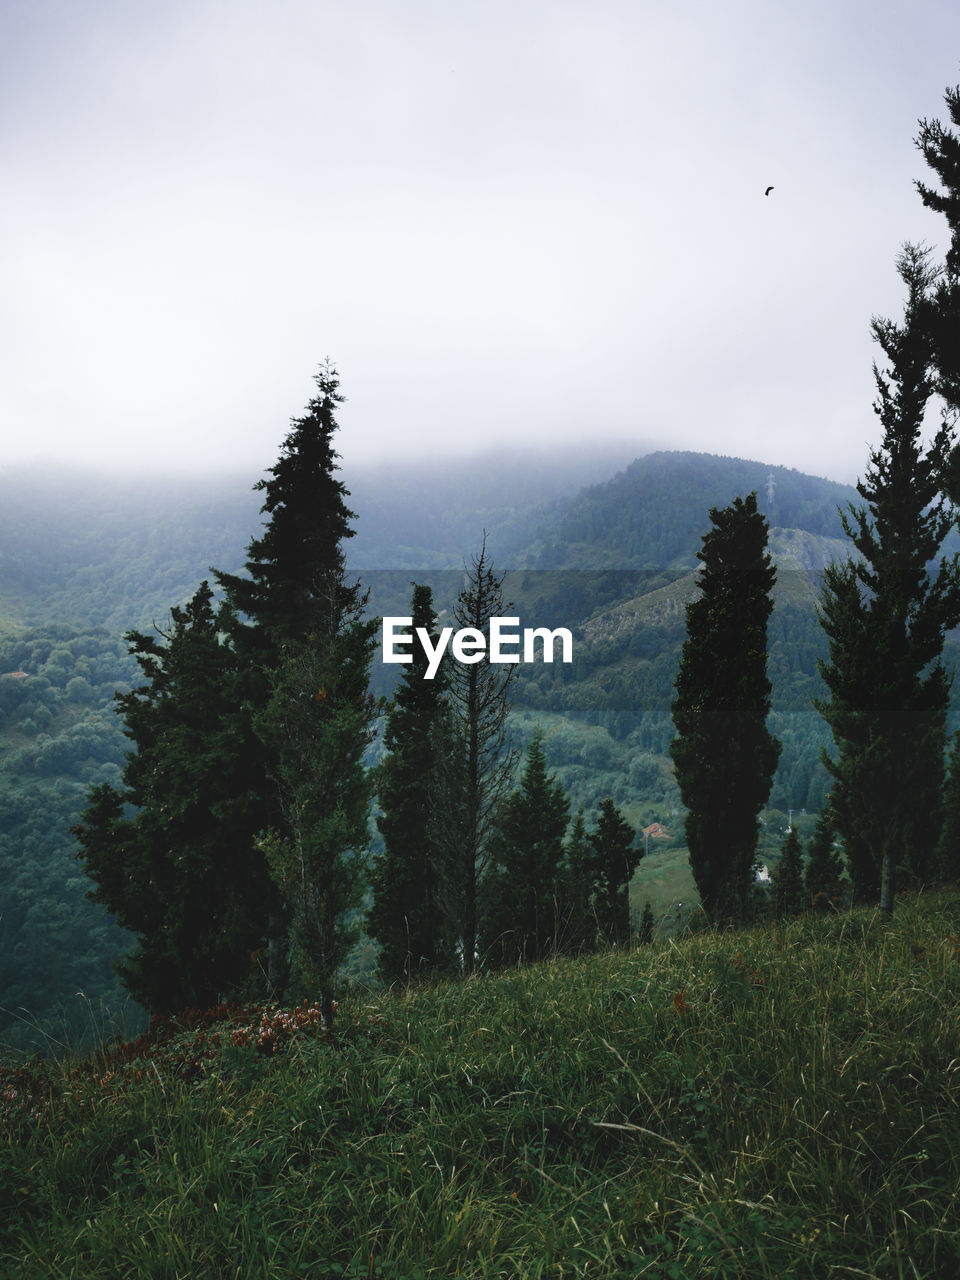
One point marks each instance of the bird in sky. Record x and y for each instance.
(768, 190)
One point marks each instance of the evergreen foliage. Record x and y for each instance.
(249, 739)
(823, 876)
(885, 615)
(477, 763)
(295, 596)
(180, 873)
(579, 922)
(940, 147)
(788, 890)
(614, 861)
(724, 755)
(294, 581)
(405, 915)
(520, 917)
(59, 738)
(649, 516)
(317, 726)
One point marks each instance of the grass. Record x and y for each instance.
(777, 1102)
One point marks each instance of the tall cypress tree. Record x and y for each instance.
(885, 615)
(724, 756)
(405, 915)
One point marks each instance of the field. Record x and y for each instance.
(776, 1102)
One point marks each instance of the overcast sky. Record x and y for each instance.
(530, 221)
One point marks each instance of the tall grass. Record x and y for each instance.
(781, 1101)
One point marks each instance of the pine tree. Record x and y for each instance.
(885, 615)
(578, 928)
(520, 894)
(788, 891)
(724, 756)
(294, 592)
(181, 872)
(294, 584)
(405, 915)
(940, 147)
(477, 763)
(249, 741)
(317, 725)
(823, 884)
(614, 862)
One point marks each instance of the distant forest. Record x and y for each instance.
(85, 558)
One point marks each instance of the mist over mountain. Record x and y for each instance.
(603, 543)
(652, 514)
(97, 549)
(92, 549)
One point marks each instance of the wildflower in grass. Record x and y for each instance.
(680, 1001)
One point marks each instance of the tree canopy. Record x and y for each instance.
(724, 754)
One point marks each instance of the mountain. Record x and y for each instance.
(84, 557)
(97, 550)
(652, 514)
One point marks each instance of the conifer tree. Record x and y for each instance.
(405, 915)
(788, 891)
(577, 888)
(294, 593)
(614, 861)
(181, 872)
(477, 763)
(317, 727)
(249, 736)
(885, 615)
(940, 147)
(822, 879)
(520, 894)
(724, 756)
(294, 582)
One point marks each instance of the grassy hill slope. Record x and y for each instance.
(774, 1102)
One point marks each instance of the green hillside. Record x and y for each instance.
(83, 558)
(652, 515)
(774, 1102)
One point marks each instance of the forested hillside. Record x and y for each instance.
(59, 736)
(101, 550)
(85, 558)
(652, 514)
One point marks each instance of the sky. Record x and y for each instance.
(523, 223)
